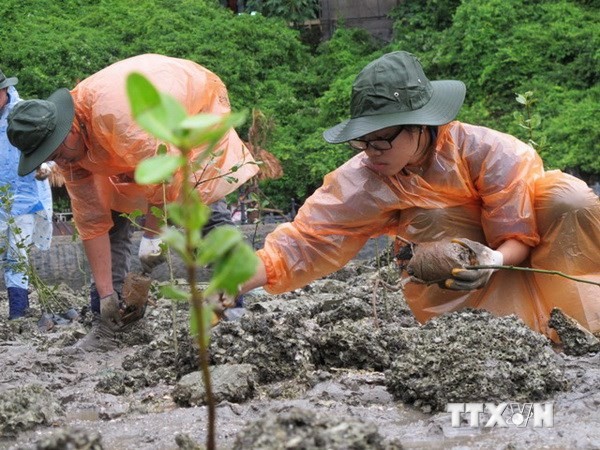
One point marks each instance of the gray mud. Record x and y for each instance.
(339, 364)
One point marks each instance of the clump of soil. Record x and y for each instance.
(24, 408)
(326, 325)
(71, 439)
(575, 339)
(473, 356)
(303, 429)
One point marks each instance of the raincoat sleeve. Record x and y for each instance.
(504, 171)
(330, 228)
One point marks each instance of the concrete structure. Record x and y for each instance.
(368, 14)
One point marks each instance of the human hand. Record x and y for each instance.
(479, 255)
(150, 253)
(110, 310)
(433, 262)
(43, 172)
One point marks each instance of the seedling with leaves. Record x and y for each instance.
(233, 261)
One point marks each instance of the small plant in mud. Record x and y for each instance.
(233, 261)
(17, 258)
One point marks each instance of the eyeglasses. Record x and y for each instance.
(376, 144)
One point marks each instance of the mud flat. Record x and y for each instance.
(339, 364)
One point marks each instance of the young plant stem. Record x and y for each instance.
(529, 269)
(197, 300)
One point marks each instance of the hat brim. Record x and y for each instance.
(446, 100)
(65, 112)
(9, 82)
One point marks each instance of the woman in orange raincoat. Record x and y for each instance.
(90, 133)
(420, 175)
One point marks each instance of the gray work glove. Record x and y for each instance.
(110, 310)
(150, 253)
(479, 255)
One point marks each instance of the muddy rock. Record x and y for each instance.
(359, 345)
(303, 429)
(119, 382)
(472, 356)
(575, 339)
(26, 407)
(71, 439)
(260, 339)
(232, 383)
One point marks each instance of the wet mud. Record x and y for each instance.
(339, 364)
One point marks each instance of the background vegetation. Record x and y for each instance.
(497, 47)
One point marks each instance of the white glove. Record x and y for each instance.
(469, 279)
(150, 253)
(43, 171)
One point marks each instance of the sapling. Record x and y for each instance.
(233, 261)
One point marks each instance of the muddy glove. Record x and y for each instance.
(221, 302)
(150, 253)
(432, 262)
(479, 254)
(110, 310)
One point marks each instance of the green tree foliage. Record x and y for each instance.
(293, 11)
(497, 47)
(501, 47)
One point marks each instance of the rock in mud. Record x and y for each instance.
(233, 383)
(576, 340)
(71, 439)
(277, 344)
(473, 356)
(303, 429)
(26, 407)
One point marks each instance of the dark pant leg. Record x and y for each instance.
(220, 215)
(120, 236)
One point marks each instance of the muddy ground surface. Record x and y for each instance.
(340, 364)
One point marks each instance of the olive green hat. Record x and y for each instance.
(393, 90)
(5, 82)
(38, 127)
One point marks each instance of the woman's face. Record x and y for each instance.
(405, 148)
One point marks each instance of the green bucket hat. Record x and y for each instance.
(38, 127)
(393, 90)
(5, 82)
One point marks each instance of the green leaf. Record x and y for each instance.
(158, 169)
(157, 113)
(233, 270)
(143, 96)
(176, 241)
(171, 292)
(218, 242)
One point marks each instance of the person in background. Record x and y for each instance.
(25, 209)
(425, 177)
(90, 133)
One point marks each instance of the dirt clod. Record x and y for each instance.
(575, 339)
(473, 356)
(303, 429)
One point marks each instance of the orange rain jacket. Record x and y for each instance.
(115, 144)
(480, 184)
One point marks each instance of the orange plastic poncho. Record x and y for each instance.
(482, 185)
(115, 144)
